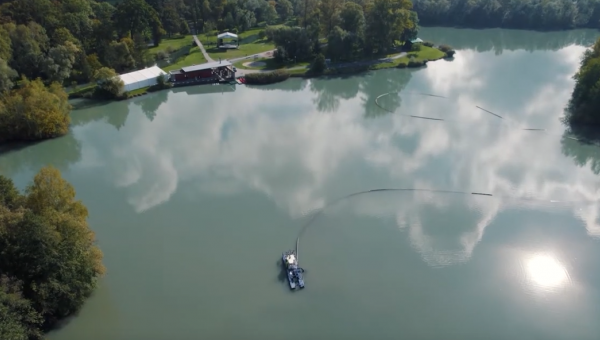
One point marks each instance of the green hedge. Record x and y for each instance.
(264, 78)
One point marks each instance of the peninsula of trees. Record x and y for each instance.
(584, 106)
(49, 263)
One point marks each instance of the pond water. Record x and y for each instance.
(195, 192)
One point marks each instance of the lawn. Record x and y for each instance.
(426, 52)
(172, 44)
(186, 56)
(270, 64)
(249, 44)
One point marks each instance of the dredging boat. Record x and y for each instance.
(294, 273)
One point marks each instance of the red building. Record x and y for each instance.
(214, 71)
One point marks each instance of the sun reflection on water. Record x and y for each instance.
(546, 272)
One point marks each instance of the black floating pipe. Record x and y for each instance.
(426, 118)
(490, 112)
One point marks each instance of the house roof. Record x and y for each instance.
(141, 75)
(418, 40)
(206, 66)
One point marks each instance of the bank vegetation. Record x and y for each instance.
(584, 105)
(520, 14)
(49, 263)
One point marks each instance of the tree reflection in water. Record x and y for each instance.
(585, 148)
(59, 152)
(87, 111)
(150, 103)
(368, 86)
(330, 91)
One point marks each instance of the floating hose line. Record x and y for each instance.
(321, 210)
(318, 213)
(490, 112)
(441, 119)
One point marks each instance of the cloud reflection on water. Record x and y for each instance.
(306, 147)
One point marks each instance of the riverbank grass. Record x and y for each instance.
(170, 45)
(269, 64)
(186, 56)
(416, 58)
(250, 44)
(79, 91)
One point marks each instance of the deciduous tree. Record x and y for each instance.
(584, 106)
(7, 75)
(46, 244)
(108, 82)
(34, 112)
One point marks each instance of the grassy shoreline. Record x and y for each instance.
(412, 59)
(281, 72)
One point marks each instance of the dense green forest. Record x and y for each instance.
(70, 40)
(354, 29)
(584, 106)
(49, 263)
(521, 14)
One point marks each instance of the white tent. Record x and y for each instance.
(226, 35)
(142, 78)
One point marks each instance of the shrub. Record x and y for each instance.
(109, 84)
(415, 47)
(34, 112)
(416, 63)
(161, 55)
(402, 64)
(161, 84)
(318, 66)
(270, 32)
(449, 51)
(262, 34)
(264, 78)
(428, 44)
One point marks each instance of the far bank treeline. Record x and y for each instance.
(519, 14)
(584, 106)
(49, 263)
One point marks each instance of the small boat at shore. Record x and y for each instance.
(293, 272)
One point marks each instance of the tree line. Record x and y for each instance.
(70, 40)
(49, 263)
(354, 29)
(584, 106)
(519, 14)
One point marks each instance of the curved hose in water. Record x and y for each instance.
(316, 214)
